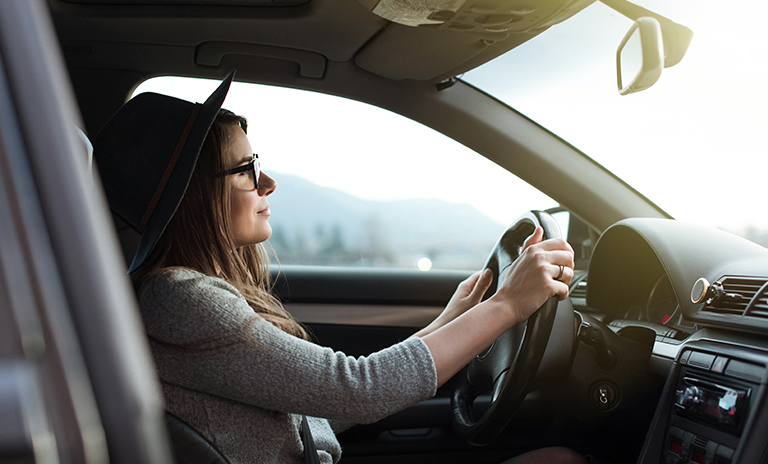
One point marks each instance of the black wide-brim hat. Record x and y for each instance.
(146, 154)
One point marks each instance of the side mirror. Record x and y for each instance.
(640, 57)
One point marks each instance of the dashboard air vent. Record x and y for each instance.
(759, 307)
(580, 290)
(745, 287)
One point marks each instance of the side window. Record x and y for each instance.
(361, 186)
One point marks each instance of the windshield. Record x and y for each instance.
(694, 143)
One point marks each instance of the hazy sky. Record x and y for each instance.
(695, 143)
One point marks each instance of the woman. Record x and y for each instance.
(232, 362)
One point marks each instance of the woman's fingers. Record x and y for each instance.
(562, 273)
(559, 269)
(543, 270)
(474, 287)
(556, 258)
(553, 244)
(534, 238)
(556, 250)
(484, 279)
(537, 238)
(469, 283)
(562, 281)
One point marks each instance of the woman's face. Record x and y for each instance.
(249, 209)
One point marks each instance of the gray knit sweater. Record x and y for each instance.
(243, 383)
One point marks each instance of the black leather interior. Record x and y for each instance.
(189, 446)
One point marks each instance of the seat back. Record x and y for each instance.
(189, 446)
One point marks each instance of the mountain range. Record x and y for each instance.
(310, 221)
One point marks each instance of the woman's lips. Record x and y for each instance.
(265, 212)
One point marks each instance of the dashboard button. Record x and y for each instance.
(677, 433)
(723, 455)
(719, 364)
(701, 360)
(745, 371)
(687, 440)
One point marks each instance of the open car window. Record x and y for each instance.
(362, 186)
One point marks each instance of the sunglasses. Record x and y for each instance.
(248, 182)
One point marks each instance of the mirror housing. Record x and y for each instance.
(676, 37)
(640, 56)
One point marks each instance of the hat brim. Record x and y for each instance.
(178, 182)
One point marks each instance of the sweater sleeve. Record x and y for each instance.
(206, 337)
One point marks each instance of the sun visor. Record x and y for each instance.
(442, 35)
(268, 3)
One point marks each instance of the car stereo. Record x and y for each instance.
(711, 405)
(711, 402)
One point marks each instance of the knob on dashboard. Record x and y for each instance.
(700, 290)
(689, 398)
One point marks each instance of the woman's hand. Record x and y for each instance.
(544, 269)
(468, 294)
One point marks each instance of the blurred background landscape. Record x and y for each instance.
(314, 225)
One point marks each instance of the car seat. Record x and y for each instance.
(187, 444)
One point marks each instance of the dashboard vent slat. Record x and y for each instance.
(746, 287)
(759, 307)
(580, 290)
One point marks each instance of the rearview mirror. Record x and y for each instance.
(640, 57)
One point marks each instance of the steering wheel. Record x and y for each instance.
(509, 366)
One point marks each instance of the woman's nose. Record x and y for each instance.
(267, 185)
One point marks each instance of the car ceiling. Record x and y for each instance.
(298, 30)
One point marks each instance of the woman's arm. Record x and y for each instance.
(530, 282)
(206, 338)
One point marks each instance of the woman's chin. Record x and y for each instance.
(267, 231)
(254, 238)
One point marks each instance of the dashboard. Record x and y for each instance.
(660, 306)
(704, 292)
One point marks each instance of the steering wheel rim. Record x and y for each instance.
(509, 366)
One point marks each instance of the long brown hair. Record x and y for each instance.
(199, 236)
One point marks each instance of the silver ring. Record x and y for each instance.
(561, 272)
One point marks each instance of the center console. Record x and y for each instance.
(711, 410)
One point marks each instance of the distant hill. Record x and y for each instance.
(319, 224)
